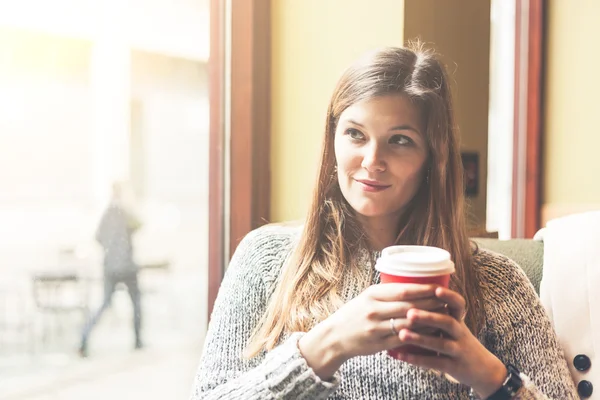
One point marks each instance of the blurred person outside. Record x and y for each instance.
(114, 233)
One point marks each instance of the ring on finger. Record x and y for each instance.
(393, 327)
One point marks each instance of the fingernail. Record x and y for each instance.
(405, 334)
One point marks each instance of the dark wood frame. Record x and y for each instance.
(249, 129)
(216, 83)
(526, 197)
(250, 117)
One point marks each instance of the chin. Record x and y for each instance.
(371, 212)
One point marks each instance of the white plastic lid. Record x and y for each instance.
(415, 261)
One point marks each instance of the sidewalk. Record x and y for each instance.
(147, 374)
(164, 369)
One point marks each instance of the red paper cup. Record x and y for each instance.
(414, 264)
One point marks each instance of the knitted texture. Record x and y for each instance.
(516, 330)
(527, 253)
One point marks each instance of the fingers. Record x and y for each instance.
(440, 363)
(401, 291)
(441, 345)
(399, 309)
(393, 325)
(391, 342)
(430, 304)
(443, 322)
(456, 303)
(385, 327)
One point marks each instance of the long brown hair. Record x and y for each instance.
(329, 248)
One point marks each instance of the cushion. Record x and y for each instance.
(527, 253)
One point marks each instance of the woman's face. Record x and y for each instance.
(381, 152)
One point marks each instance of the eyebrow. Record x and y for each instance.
(404, 127)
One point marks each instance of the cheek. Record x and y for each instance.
(411, 167)
(346, 159)
(337, 152)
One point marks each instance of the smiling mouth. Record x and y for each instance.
(372, 186)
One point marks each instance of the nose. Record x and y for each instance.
(373, 160)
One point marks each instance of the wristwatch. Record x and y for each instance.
(511, 385)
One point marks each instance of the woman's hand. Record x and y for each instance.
(461, 355)
(362, 326)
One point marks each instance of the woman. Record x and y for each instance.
(301, 313)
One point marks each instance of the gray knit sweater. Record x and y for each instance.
(517, 331)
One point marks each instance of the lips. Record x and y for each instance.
(372, 186)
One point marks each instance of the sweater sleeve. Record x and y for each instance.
(518, 331)
(223, 372)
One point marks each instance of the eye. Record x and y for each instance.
(401, 140)
(355, 134)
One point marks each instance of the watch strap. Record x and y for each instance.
(510, 386)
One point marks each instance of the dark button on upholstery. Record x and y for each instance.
(585, 389)
(582, 362)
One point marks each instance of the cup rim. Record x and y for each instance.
(392, 262)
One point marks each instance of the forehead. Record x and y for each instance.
(392, 109)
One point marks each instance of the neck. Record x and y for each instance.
(381, 231)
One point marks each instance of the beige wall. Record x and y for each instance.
(460, 31)
(571, 165)
(312, 42)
